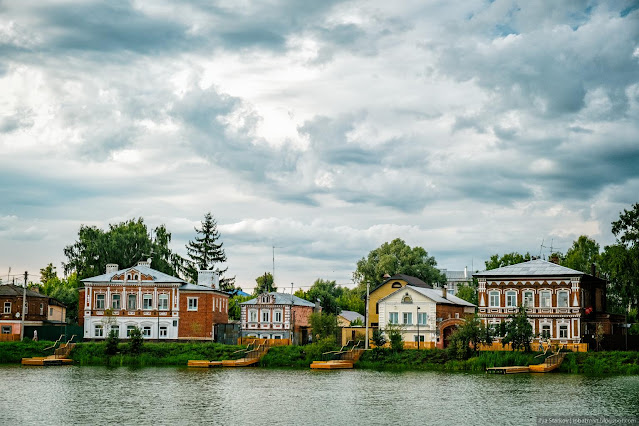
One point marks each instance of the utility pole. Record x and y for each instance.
(368, 288)
(24, 304)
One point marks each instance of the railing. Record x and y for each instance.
(54, 343)
(346, 352)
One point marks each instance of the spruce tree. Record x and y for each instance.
(205, 252)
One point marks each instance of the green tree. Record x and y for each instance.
(112, 342)
(465, 341)
(206, 251)
(468, 292)
(395, 333)
(351, 300)
(378, 338)
(235, 310)
(323, 325)
(135, 341)
(393, 258)
(63, 290)
(583, 253)
(327, 292)
(519, 331)
(265, 284)
(48, 273)
(507, 259)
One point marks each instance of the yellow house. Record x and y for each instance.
(390, 285)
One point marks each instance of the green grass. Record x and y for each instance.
(599, 363)
(13, 352)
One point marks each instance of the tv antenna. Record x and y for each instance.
(274, 247)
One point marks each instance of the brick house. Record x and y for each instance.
(274, 315)
(560, 302)
(40, 309)
(161, 306)
(426, 315)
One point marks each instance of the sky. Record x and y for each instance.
(316, 131)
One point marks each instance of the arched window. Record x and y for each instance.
(407, 299)
(494, 299)
(511, 299)
(396, 284)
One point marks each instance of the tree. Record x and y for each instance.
(393, 258)
(351, 300)
(327, 292)
(465, 341)
(135, 341)
(65, 290)
(468, 292)
(395, 336)
(235, 310)
(205, 252)
(620, 261)
(264, 284)
(508, 259)
(112, 342)
(378, 338)
(48, 273)
(583, 253)
(323, 325)
(519, 332)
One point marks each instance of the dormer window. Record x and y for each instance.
(128, 276)
(407, 299)
(396, 284)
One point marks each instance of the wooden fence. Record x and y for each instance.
(9, 337)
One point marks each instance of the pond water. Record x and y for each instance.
(154, 396)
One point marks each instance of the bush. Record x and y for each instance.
(135, 341)
(395, 336)
(112, 342)
(378, 338)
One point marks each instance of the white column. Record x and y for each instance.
(139, 297)
(123, 301)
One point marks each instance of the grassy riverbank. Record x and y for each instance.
(177, 354)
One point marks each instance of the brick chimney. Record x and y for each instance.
(444, 291)
(111, 268)
(208, 278)
(146, 263)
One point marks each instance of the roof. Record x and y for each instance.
(537, 267)
(197, 287)
(351, 316)
(456, 275)
(282, 299)
(435, 295)
(14, 290)
(414, 281)
(158, 277)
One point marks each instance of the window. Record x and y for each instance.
(563, 331)
(494, 299)
(451, 292)
(41, 308)
(393, 317)
(511, 299)
(529, 299)
(422, 318)
(99, 330)
(396, 284)
(99, 301)
(408, 317)
(192, 303)
(7, 307)
(277, 316)
(115, 301)
(407, 299)
(6, 329)
(163, 302)
(377, 308)
(146, 331)
(252, 315)
(129, 329)
(50, 312)
(421, 337)
(115, 329)
(147, 301)
(545, 299)
(265, 316)
(545, 331)
(132, 304)
(164, 331)
(562, 299)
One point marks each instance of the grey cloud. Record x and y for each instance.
(17, 121)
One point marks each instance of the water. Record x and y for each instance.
(158, 396)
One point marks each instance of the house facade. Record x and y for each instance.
(276, 316)
(425, 315)
(388, 286)
(455, 279)
(564, 304)
(345, 318)
(163, 307)
(40, 309)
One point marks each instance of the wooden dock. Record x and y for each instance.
(551, 363)
(252, 355)
(342, 359)
(331, 365)
(46, 361)
(508, 370)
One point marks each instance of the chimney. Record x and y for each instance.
(208, 278)
(318, 308)
(444, 291)
(465, 271)
(593, 269)
(146, 263)
(386, 276)
(111, 268)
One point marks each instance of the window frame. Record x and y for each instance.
(543, 299)
(147, 331)
(567, 298)
(161, 299)
(491, 294)
(100, 301)
(563, 328)
(164, 331)
(253, 317)
(97, 327)
(424, 316)
(511, 299)
(147, 301)
(265, 313)
(116, 327)
(116, 301)
(407, 318)
(7, 305)
(532, 299)
(395, 316)
(132, 297)
(191, 304)
(129, 329)
(277, 313)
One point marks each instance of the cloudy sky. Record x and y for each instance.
(320, 128)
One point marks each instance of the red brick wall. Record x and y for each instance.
(199, 324)
(449, 311)
(33, 310)
(81, 307)
(302, 315)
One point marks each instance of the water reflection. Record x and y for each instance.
(154, 396)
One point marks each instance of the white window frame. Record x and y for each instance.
(164, 331)
(542, 299)
(100, 301)
(134, 298)
(41, 308)
(511, 299)
(147, 301)
(116, 327)
(422, 318)
(129, 329)
(253, 315)
(563, 327)
(98, 330)
(393, 317)
(491, 294)
(422, 338)
(116, 301)
(147, 331)
(191, 303)
(277, 315)
(532, 299)
(266, 315)
(407, 317)
(7, 307)
(163, 302)
(6, 329)
(548, 327)
(563, 292)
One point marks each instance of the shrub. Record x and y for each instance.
(135, 341)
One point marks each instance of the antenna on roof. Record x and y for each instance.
(541, 247)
